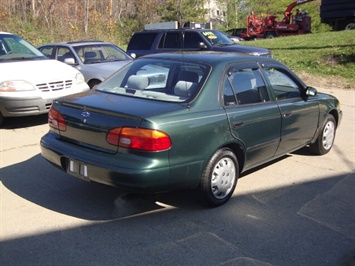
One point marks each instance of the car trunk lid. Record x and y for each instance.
(89, 117)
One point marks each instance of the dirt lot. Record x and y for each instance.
(326, 82)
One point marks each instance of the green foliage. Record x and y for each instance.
(182, 11)
(329, 53)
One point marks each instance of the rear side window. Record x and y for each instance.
(142, 41)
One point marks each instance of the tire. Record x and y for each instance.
(270, 35)
(1, 118)
(350, 26)
(219, 179)
(325, 140)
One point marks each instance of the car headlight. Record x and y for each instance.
(79, 78)
(16, 85)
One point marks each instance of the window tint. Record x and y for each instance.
(192, 40)
(171, 40)
(248, 86)
(142, 41)
(282, 85)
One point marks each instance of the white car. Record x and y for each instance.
(29, 81)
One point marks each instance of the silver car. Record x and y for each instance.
(96, 60)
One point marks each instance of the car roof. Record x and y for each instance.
(78, 43)
(180, 29)
(209, 57)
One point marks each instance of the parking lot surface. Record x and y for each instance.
(298, 210)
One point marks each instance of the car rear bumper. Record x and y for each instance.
(104, 168)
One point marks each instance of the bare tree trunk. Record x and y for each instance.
(86, 16)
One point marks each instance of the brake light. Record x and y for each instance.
(56, 120)
(139, 139)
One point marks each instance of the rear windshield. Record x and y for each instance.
(157, 79)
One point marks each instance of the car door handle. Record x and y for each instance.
(238, 123)
(287, 114)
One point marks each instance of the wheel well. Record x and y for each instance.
(93, 82)
(335, 114)
(239, 152)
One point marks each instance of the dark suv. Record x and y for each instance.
(166, 40)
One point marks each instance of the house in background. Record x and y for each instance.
(216, 12)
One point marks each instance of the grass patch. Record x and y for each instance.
(324, 54)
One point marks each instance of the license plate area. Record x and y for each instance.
(78, 169)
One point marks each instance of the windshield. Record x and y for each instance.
(157, 79)
(13, 47)
(216, 37)
(99, 53)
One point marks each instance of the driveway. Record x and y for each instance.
(298, 210)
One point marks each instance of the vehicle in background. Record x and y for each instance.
(235, 39)
(236, 32)
(29, 81)
(175, 39)
(191, 120)
(339, 14)
(97, 60)
(269, 27)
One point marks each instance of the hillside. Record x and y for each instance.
(327, 58)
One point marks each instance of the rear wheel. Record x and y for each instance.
(219, 179)
(325, 140)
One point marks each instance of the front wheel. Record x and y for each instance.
(325, 140)
(219, 179)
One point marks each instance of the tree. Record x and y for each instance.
(182, 11)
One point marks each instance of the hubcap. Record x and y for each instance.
(350, 26)
(328, 135)
(223, 178)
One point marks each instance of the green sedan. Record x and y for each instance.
(188, 121)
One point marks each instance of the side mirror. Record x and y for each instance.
(133, 55)
(310, 91)
(202, 46)
(69, 61)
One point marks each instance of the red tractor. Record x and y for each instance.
(269, 27)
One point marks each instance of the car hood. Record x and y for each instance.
(36, 71)
(232, 48)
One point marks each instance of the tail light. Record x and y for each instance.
(56, 120)
(139, 139)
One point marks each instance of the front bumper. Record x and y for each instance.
(14, 104)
